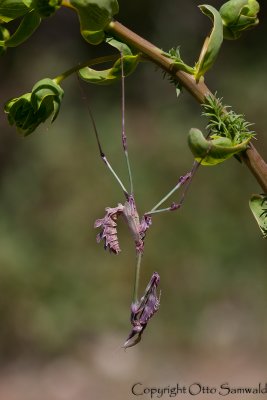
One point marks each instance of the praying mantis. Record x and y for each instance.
(141, 310)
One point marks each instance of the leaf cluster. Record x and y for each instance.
(94, 16)
(224, 122)
(239, 16)
(233, 18)
(174, 54)
(31, 109)
(228, 134)
(110, 75)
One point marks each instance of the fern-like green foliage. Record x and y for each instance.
(174, 54)
(228, 134)
(224, 122)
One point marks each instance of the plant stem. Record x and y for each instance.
(256, 164)
(93, 61)
(199, 90)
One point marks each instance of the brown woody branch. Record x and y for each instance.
(199, 90)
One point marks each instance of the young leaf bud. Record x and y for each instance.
(94, 16)
(4, 35)
(238, 16)
(30, 109)
(45, 8)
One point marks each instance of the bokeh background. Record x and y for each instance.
(64, 301)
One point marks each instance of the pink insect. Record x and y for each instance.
(141, 310)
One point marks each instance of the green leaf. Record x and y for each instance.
(174, 54)
(30, 109)
(213, 151)
(212, 43)
(47, 94)
(114, 73)
(238, 16)
(110, 75)
(258, 206)
(4, 35)
(45, 8)
(26, 28)
(20, 112)
(122, 47)
(94, 16)
(12, 9)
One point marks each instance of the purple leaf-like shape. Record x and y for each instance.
(143, 311)
(109, 229)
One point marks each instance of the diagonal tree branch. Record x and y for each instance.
(250, 157)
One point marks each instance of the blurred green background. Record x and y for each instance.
(61, 294)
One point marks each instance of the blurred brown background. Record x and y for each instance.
(64, 302)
